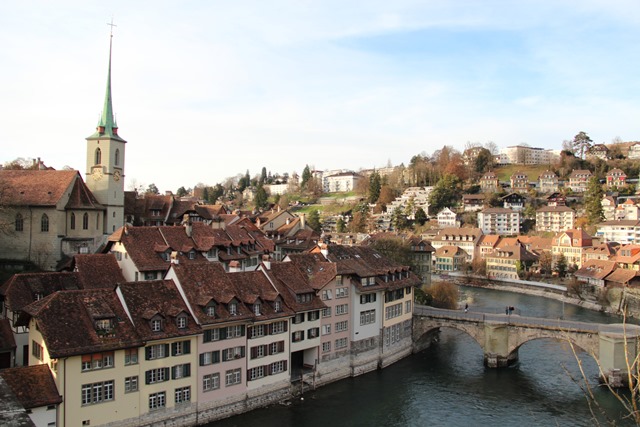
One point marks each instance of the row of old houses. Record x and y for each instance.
(198, 342)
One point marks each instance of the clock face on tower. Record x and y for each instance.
(97, 174)
(116, 176)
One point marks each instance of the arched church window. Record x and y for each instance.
(117, 157)
(98, 156)
(44, 223)
(19, 222)
(85, 221)
(73, 221)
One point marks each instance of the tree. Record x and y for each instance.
(261, 199)
(263, 176)
(444, 295)
(340, 225)
(360, 215)
(546, 262)
(374, 187)
(152, 189)
(181, 192)
(561, 266)
(395, 249)
(420, 217)
(215, 193)
(306, 176)
(387, 195)
(593, 201)
(314, 221)
(484, 161)
(581, 144)
(21, 163)
(445, 193)
(399, 219)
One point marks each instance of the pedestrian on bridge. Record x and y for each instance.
(466, 308)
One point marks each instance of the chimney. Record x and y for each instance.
(174, 258)
(188, 228)
(302, 221)
(288, 221)
(234, 267)
(324, 249)
(266, 261)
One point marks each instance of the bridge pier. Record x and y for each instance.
(618, 350)
(496, 346)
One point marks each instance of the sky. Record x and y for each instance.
(206, 90)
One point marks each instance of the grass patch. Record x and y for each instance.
(533, 171)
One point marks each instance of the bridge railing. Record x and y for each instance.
(513, 319)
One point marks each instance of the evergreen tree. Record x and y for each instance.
(375, 185)
(261, 199)
(341, 227)
(581, 144)
(593, 201)
(446, 193)
(561, 266)
(421, 216)
(263, 176)
(399, 219)
(314, 220)
(306, 176)
(205, 194)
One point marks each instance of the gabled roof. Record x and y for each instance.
(206, 283)
(448, 251)
(596, 269)
(318, 269)
(490, 240)
(36, 187)
(7, 341)
(254, 286)
(621, 277)
(516, 252)
(140, 243)
(97, 270)
(62, 315)
(558, 209)
(577, 172)
(33, 386)
(23, 289)
(148, 299)
(548, 175)
(290, 282)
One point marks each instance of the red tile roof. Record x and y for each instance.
(35, 187)
(33, 386)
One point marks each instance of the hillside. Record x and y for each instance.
(533, 171)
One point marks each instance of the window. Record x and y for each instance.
(367, 317)
(131, 384)
(233, 377)
(159, 375)
(393, 311)
(85, 221)
(44, 223)
(255, 373)
(313, 315)
(233, 308)
(181, 371)
(342, 309)
(256, 309)
(297, 336)
(342, 292)
(342, 326)
(210, 310)
(256, 331)
(95, 361)
(181, 322)
(181, 347)
(326, 329)
(157, 400)
(233, 353)
(313, 333)
(210, 357)
(183, 395)
(211, 382)
(259, 351)
(117, 157)
(338, 280)
(156, 325)
(150, 275)
(304, 298)
(157, 351)
(276, 347)
(277, 306)
(341, 343)
(367, 298)
(326, 347)
(131, 356)
(212, 335)
(299, 318)
(277, 367)
(278, 327)
(19, 222)
(326, 295)
(72, 221)
(235, 331)
(326, 312)
(36, 350)
(407, 308)
(98, 157)
(97, 392)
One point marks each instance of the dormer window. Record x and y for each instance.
(156, 325)
(256, 308)
(210, 310)
(192, 254)
(277, 306)
(38, 296)
(233, 308)
(181, 321)
(104, 325)
(166, 256)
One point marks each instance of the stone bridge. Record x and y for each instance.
(500, 336)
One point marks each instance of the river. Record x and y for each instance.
(448, 385)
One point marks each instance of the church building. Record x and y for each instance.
(47, 216)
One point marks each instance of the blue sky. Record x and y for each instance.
(204, 90)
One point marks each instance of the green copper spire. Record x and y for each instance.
(107, 126)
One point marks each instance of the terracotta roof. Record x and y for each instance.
(33, 386)
(147, 299)
(576, 172)
(204, 283)
(290, 282)
(140, 243)
(513, 252)
(61, 315)
(255, 286)
(23, 289)
(489, 240)
(555, 209)
(35, 187)
(98, 270)
(621, 276)
(210, 212)
(450, 251)
(609, 249)
(596, 269)
(82, 198)
(318, 269)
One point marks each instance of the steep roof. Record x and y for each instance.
(596, 269)
(318, 269)
(35, 187)
(290, 282)
(23, 289)
(33, 386)
(61, 315)
(145, 300)
(97, 270)
(7, 341)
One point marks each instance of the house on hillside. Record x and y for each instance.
(548, 182)
(499, 221)
(579, 179)
(616, 178)
(598, 151)
(555, 218)
(489, 183)
(572, 244)
(519, 182)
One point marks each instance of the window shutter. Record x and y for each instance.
(254, 352)
(216, 356)
(242, 330)
(166, 350)
(147, 377)
(223, 333)
(286, 325)
(173, 371)
(187, 347)
(281, 346)
(187, 370)
(269, 369)
(243, 351)
(250, 332)
(174, 348)
(270, 329)
(202, 359)
(147, 353)
(285, 365)
(166, 372)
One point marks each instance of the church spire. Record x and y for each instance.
(107, 125)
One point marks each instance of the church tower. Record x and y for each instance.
(105, 162)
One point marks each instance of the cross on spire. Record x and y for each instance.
(111, 24)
